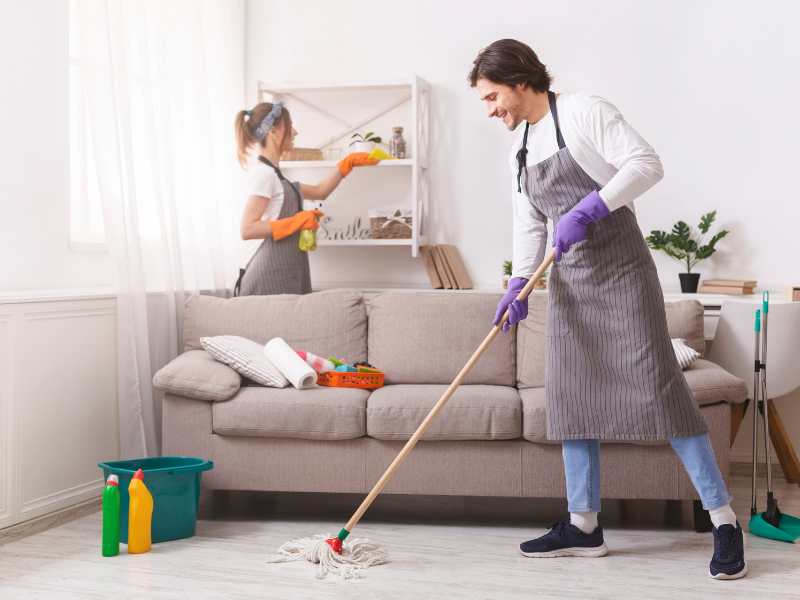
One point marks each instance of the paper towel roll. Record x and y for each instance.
(294, 368)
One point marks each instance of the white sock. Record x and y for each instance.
(722, 516)
(585, 521)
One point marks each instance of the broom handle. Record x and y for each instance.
(443, 400)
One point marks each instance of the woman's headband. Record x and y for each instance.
(269, 121)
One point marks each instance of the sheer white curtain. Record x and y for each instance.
(160, 83)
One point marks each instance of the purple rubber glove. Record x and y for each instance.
(572, 227)
(517, 309)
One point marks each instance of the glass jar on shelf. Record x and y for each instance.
(397, 144)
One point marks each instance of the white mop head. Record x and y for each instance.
(357, 554)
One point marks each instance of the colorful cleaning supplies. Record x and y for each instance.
(379, 153)
(140, 515)
(319, 364)
(336, 361)
(111, 516)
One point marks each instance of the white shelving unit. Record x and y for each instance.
(376, 100)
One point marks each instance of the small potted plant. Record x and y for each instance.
(506, 273)
(365, 142)
(682, 245)
(507, 270)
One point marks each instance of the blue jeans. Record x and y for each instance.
(582, 471)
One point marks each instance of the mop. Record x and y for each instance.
(771, 524)
(331, 554)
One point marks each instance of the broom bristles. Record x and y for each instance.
(357, 554)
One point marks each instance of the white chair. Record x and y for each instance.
(732, 349)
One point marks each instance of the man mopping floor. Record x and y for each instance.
(610, 371)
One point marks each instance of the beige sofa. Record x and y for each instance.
(490, 439)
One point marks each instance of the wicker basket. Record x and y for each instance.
(302, 154)
(394, 225)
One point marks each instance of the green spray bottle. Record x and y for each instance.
(111, 516)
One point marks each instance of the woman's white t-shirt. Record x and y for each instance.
(264, 182)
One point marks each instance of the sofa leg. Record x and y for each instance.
(702, 520)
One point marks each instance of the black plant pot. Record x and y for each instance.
(689, 282)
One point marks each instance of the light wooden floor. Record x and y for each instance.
(439, 548)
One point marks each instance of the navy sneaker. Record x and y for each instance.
(728, 560)
(564, 539)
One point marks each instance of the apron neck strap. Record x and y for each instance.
(268, 162)
(551, 97)
(522, 156)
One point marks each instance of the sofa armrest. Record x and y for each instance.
(711, 384)
(195, 374)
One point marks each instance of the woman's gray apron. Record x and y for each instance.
(278, 267)
(610, 370)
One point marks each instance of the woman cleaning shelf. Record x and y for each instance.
(274, 210)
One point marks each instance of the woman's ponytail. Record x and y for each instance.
(244, 133)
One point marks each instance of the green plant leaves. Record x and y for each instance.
(680, 243)
(706, 221)
(709, 249)
(367, 137)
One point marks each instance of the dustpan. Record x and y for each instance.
(770, 524)
(788, 529)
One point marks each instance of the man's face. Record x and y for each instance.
(502, 101)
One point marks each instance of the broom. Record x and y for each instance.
(772, 523)
(330, 553)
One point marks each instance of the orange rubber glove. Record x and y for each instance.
(355, 159)
(305, 219)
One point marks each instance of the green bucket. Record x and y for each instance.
(173, 481)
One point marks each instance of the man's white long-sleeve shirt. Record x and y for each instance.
(602, 143)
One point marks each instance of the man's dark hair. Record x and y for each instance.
(510, 62)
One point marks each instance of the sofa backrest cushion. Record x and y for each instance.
(684, 320)
(426, 338)
(330, 322)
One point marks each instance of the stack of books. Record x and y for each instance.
(736, 287)
(445, 268)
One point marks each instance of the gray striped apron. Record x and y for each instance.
(278, 267)
(610, 370)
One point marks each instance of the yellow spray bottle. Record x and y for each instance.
(140, 515)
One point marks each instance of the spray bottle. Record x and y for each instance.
(111, 516)
(140, 515)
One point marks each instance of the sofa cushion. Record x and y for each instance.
(712, 384)
(534, 415)
(427, 338)
(473, 412)
(684, 320)
(331, 322)
(195, 374)
(684, 353)
(320, 413)
(246, 357)
(531, 343)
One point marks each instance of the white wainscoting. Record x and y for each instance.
(58, 402)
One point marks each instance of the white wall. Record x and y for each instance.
(34, 153)
(707, 83)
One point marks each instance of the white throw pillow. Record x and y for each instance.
(685, 354)
(246, 357)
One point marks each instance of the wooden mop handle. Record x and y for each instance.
(445, 397)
